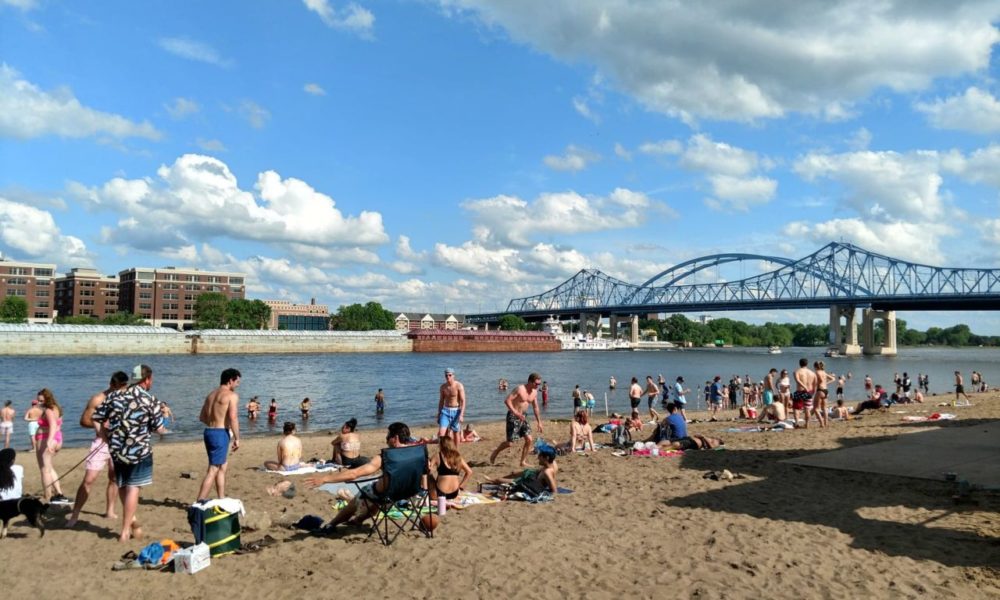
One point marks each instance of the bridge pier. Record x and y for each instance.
(846, 344)
(634, 338)
(870, 315)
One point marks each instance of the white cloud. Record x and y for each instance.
(181, 108)
(918, 242)
(581, 106)
(728, 61)
(24, 5)
(860, 139)
(575, 159)
(352, 18)
(255, 114)
(976, 111)
(194, 50)
(210, 145)
(27, 112)
(662, 147)
(511, 221)
(475, 259)
(740, 193)
(904, 187)
(704, 154)
(314, 89)
(622, 152)
(198, 198)
(33, 232)
(981, 166)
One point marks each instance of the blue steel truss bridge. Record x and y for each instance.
(838, 276)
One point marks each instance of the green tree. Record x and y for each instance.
(14, 309)
(123, 318)
(363, 317)
(210, 311)
(247, 314)
(512, 323)
(76, 320)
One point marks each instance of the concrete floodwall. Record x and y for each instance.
(36, 340)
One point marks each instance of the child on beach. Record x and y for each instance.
(533, 482)
(448, 473)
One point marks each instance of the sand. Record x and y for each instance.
(634, 527)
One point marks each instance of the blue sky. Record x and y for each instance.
(449, 155)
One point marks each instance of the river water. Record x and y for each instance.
(342, 386)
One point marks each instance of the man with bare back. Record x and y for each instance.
(219, 416)
(517, 420)
(805, 387)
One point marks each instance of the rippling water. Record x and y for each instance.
(342, 386)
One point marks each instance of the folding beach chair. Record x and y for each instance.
(404, 501)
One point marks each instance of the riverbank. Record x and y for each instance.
(632, 527)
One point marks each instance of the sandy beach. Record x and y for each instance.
(633, 527)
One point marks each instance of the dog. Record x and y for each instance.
(32, 508)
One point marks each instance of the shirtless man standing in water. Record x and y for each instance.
(517, 420)
(451, 407)
(805, 387)
(219, 416)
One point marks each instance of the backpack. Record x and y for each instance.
(620, 437)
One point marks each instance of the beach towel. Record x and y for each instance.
(745, 429)
(934, 417)
(662, 453)
(466, 499)
(306, 469)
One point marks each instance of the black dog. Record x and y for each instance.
(32, 508)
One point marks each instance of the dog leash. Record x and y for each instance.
(74, 467)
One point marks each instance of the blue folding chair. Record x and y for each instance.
(399, 507)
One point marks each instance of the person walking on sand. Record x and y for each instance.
(50, 441)
(517, 404)
(805, 387)
(219, 416)
(31, 416)
(652, 391)
(451, 407)
(99, 457)
(128, 418)
(960, 388)
(634, 394)
(7, 422)
(680, 400)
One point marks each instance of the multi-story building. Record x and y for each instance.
(290, 316)
(34, 283)
(166, 297)
(410, 321)
(86, 292)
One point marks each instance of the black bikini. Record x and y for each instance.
(444, 471)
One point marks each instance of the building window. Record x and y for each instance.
(170, 296)
(16, 292)
(88, 284)
(43, 272)
(145, 286)
(42, 315)
(19, 271)
(171, 277)
(86, 302)
(17, 281)
(145, 295)
(235, 281)
(42, 293)
(86, 292)
(42, 304)
(145, 306)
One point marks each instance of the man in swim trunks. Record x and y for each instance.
(253, 409)
(715, 393)
(379, 402)
(769, 383)
(634, 394)
(679, 396)
(960, 387)
(517, 421)
(31, 416)
(451, 407)
(219, 416)
(128, 418)
(652, 391)
(99, 456)
(805, 387)
(289, 451)
(6, 423)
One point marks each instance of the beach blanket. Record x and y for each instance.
(934, 417)
(662, 453)
(312, 468)
(746, 429)
(466, 499)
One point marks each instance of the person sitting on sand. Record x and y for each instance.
(673, 427)
(633, 423)
(580, 434)
(11, 475)
(535, 481)
(397, 433)
(347, 447)
(840, 411)
(448, 473)
(469, 434)
(774, 411)
(289, 451)
(695, 442)
(875, 402)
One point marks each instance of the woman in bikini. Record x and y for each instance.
(448, 474)
(823, 379)
(49, 440)
(347, 447)
(580, 434)
(785, 390)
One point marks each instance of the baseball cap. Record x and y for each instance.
(136, 373)
(450, 371)
(34, 402)
(680, 379)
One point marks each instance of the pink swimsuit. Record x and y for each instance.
(43, 430)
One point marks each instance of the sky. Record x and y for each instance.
(449, 155)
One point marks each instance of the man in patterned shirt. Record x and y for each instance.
(128, 417)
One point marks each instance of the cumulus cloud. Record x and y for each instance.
(725, 61)
(740, 193)
(975, 111)
(210, 145)
(253, 113)
(662, 147)
(622, 152)
(918, 242)
(314, 89)
(705, 154)
(33, 233)
(510, 265)
(582, 107)
(575, 159)
(511, 221)
(889, 184)
(28, 112)
(181, 108)
(194, 50)
(198, 198)
(24, 5)
(352, 18)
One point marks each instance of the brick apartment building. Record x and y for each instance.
(85, 292)
(32, 281)
(297, 317)
(166, 297)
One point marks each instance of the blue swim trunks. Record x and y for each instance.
(449, 418)
(768, 397)
(217, 445)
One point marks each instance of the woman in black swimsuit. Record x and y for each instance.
(448, 473)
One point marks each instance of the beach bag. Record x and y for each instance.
(620, 437)
(219, 529)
